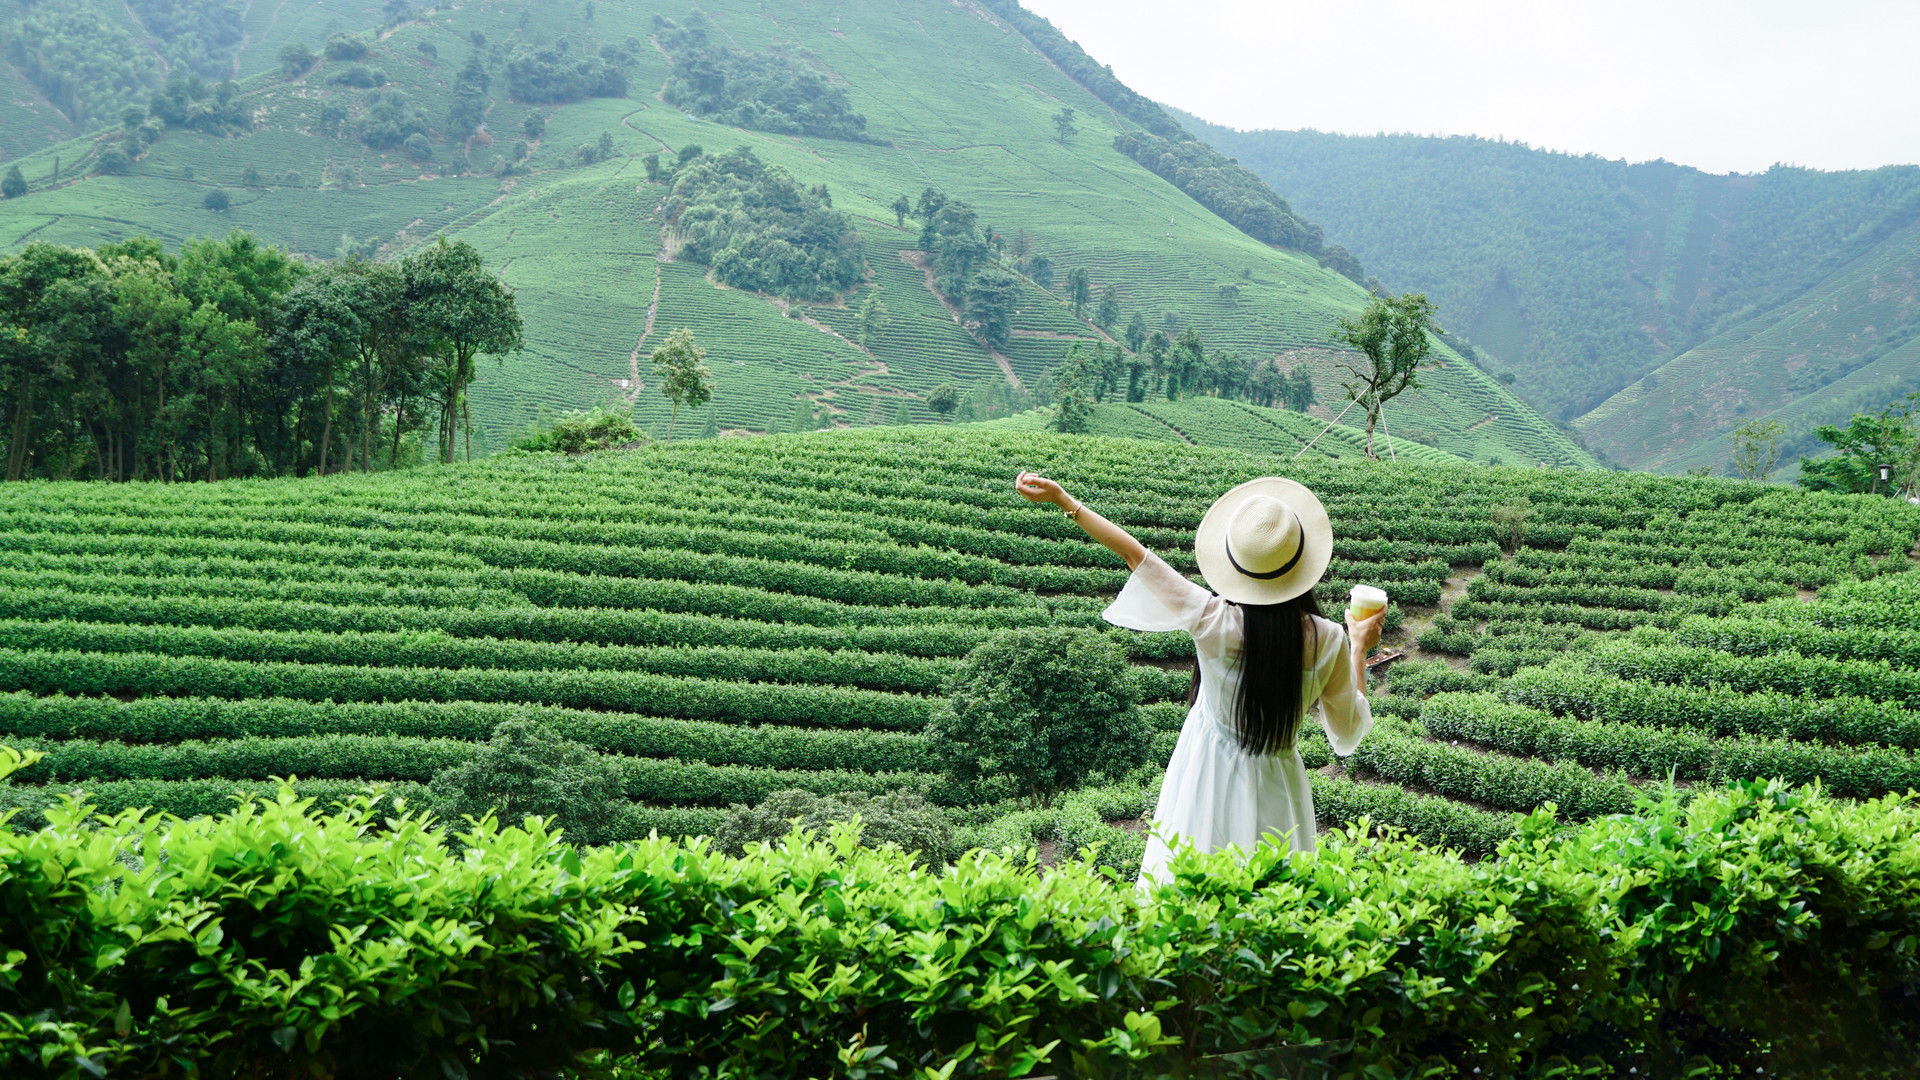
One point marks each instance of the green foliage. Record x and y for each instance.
(549, 76)
(1888, 436)
(943, 399)
(15, 185)
(349, 47)
(583, 432)
(198, 36)
(1645, 943)
(1395, 335)
(684, 377)
(901, 818)
(217, 200)
(761, 230)
(295, 59)
(1756, 448)
(88, 65)
(527, 771)
(764, 91)
(1222, 186)
(1063, 126)
(388, 118)
(1037, 712)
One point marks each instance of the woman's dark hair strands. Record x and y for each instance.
(1273, 656)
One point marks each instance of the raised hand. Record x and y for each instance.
(1036, 488)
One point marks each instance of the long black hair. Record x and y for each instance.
(1267, 708)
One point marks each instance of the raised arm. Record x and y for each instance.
(1036, 488)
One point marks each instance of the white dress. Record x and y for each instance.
(1215, 793)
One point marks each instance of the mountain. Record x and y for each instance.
(1651, 305)
(859, 104)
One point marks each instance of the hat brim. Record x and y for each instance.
(1210, 544)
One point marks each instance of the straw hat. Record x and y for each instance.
(1265, 542)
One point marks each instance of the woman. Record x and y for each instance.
(1265, 656)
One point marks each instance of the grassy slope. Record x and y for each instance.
(1582, 275)
(966, 104)
(1678, 417)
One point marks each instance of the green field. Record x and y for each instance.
(963, 103)
(731, 617)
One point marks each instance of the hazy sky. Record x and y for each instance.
(1723, 85)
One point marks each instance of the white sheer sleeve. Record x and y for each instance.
(1344, 711)
(1156, 597)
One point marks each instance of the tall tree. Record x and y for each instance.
(1136, 335)
(684, 377)
(1108, 313)
(1756, 448)
(15, 185)
(1063, 125)
(466, 312)
(1079, 290)
(901, 208)
(943, 399)
(873, 317)
(991, 298)
(1394, 337)
(1186, 365)
(46, 298)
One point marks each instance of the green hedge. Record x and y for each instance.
(1756, 930)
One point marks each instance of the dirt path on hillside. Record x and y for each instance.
(920, 262)
(634, 385)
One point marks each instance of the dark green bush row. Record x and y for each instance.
(168, 720)
(107, 545)
(310, 592)
(851, 667)
(1400, 754)
(1340, 801)
(1683, 940)
(1657, 753)
(1570, 687)
(1488, 589)
(141, 674)
(1759, 636)
(1470, 609)
(1650, 655)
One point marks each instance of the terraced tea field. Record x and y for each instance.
(730, 617)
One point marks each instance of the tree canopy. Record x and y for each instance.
(765, 91)
(762, 230)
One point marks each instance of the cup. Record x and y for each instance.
(1366, 600)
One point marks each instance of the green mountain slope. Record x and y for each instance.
(1848, 344)
(954, 98)
(1579, 274)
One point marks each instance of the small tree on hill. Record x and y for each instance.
(1108, 313)
(1063, 126)
(1756, 448)
(526, 770)
(901, 207)
(684, 377)
(1041, 710)
(1394, 336)
(1079, 290)
(217, 200)
(14, 185)
(873, 317)
(944, 399)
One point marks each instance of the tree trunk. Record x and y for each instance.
(326, 433)
(466, 424)
(671, 417)
(17, 449)
(399, 421)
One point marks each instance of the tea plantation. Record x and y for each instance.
(733, 617)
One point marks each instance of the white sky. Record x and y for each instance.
(1722, 85)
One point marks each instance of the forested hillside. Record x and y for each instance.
(1582, 276)
(851, 205)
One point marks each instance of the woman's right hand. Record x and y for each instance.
(1036, 488)
(1365, 633)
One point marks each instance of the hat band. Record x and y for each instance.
(1299, 550)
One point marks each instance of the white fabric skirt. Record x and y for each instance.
(1217, 795)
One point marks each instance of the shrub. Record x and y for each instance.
(526, 771)
(217, 200)
(114, 161)
(1039, 711)
(902, 818)
(347, 47)
(584, 432)
(417, 147)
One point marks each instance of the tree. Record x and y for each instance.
(250, 177)
(943, 399)
(1889, 436)
(684, 377)
(901, 208)
(217, 201)
(1186, 362)
(1108, 313)
(991, 298)
(1394, 336)
(1040, 269)
(1136, 335)
(1756, 448)
(873, 317)
(15, 185)
(525, 771)
(1073, 383)
(417, 147)
(534, 126)
(1063, 126)
(1079, 290)
(465, 313)
(1040, 710)
(295, 59)
(651, 163)
(1298, 389)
